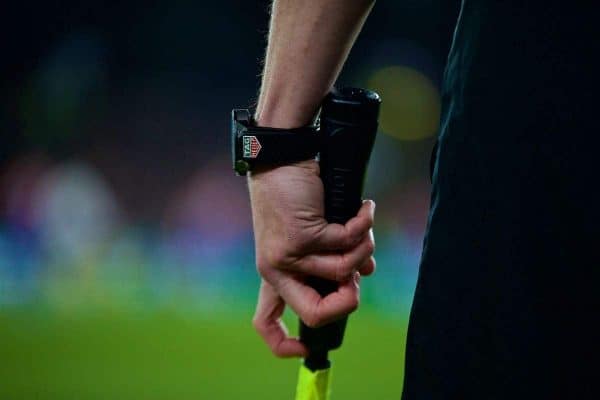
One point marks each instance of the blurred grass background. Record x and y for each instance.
(161, 355)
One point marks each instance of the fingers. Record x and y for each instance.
(337, 252)
(312, 308)
(363, 221)
(267, 321)
(368, 267)
(337, 266)
(341, 237)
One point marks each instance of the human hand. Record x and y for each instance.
(293, 240)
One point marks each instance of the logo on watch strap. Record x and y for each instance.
(251, 146)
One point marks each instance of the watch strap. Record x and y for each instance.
(263, 146)
(254, 146)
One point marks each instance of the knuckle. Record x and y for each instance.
(306, 264)
(370, 246)
(303, 240)
(262, 266)
(353, 304)
(312, 320)
(343, 269)
(347, 241)
(275, 350)
(257, 324)
(276, 257)
(312, 323)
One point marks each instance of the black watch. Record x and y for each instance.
(253, 145)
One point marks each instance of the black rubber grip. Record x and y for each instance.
(348, 126)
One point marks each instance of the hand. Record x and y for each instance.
(293, 240)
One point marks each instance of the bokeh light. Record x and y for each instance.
(411, 110)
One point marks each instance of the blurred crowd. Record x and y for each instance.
(116, 188)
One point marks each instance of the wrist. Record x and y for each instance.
(263, 172)
(276, 112)
(283, 120)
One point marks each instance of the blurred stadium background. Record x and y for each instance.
(126, 255)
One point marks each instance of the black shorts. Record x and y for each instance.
(506, 302)
(506, 295)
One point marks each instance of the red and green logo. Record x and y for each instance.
(251, 146)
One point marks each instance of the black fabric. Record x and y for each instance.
(282, 146)
(507, 296)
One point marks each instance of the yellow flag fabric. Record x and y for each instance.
(313, 385)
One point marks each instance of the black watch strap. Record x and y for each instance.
(263, 146)
(281, 146)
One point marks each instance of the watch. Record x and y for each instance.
(253, 145)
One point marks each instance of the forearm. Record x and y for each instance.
(309, 41)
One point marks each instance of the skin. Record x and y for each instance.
(309, 41)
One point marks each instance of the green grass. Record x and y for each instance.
(163, 355)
